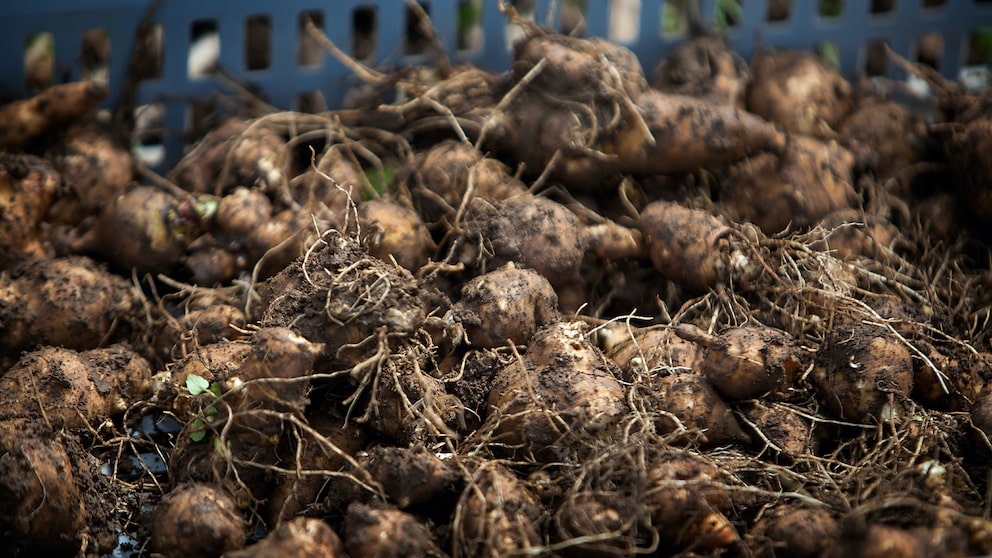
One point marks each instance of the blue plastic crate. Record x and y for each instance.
(283, 81)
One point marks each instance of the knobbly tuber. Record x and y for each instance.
(496, 514)
(72, 302)
(799, 92)
(703, 67)
(505, 306)
(381, 532)
(197, 521)
(393, 232)
(149, 229)
(532, 231)
(688, 502)
(794, 530)
(745, 362)
(56, 501)
(71, 390)
(236, 153)
(808, 182)
(691, 247)
(689, 401)
(651, 350)
(444, 176)
(417, 479)
(27, 119)
(864, 373)
(560, 391)
(28, 187)
(301, 537)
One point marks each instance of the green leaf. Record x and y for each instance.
(199, 430)
(215, 389)
(196, 384)
(211, 411)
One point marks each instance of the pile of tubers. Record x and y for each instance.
(560, 311)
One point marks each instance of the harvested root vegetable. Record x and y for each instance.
(595, 523)
(44, 505)
(327, 450)
(863, 373)
(391, 231)
(70, 390)
(197, 521)
(341, 296)
(690, 134)
(149, 229)
(851, 234)
(651, 350)
(236, 153)
(28, 187)
(779, 428)
(692, 401)
(677, 134)
(688, 499)
(574, 66)
(691, 247)
(793, 530)
(562, 390)
(808, 182)
(443, 176)
(334, 186)
(505, 307)
(27, 119)
(875, 540)
(72, 302)
(799, 92)
(415, 478)
(301, 537)
(496, 515)
(531, 231)
(745, 362)
(703, 67)
(895, 133)
(381, 532)
(56, 503)
(97, 167)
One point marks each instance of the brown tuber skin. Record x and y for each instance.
(380, 532)
(694, 402)
(561, 389)
(505, 307)
(745, 362)
(393, 232)
(652, 350)
(808, 182)
(690, 247)
(791, 530)
(498, 516)
(703, 67)
(446, 174)
(72, 390)
(27, 119)
(858, 369)
(148, 229)
(798, 91)
(532, 231)
(72, 302)
(688, 503)
(28, 187)
(301, 537)
(197, 521)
